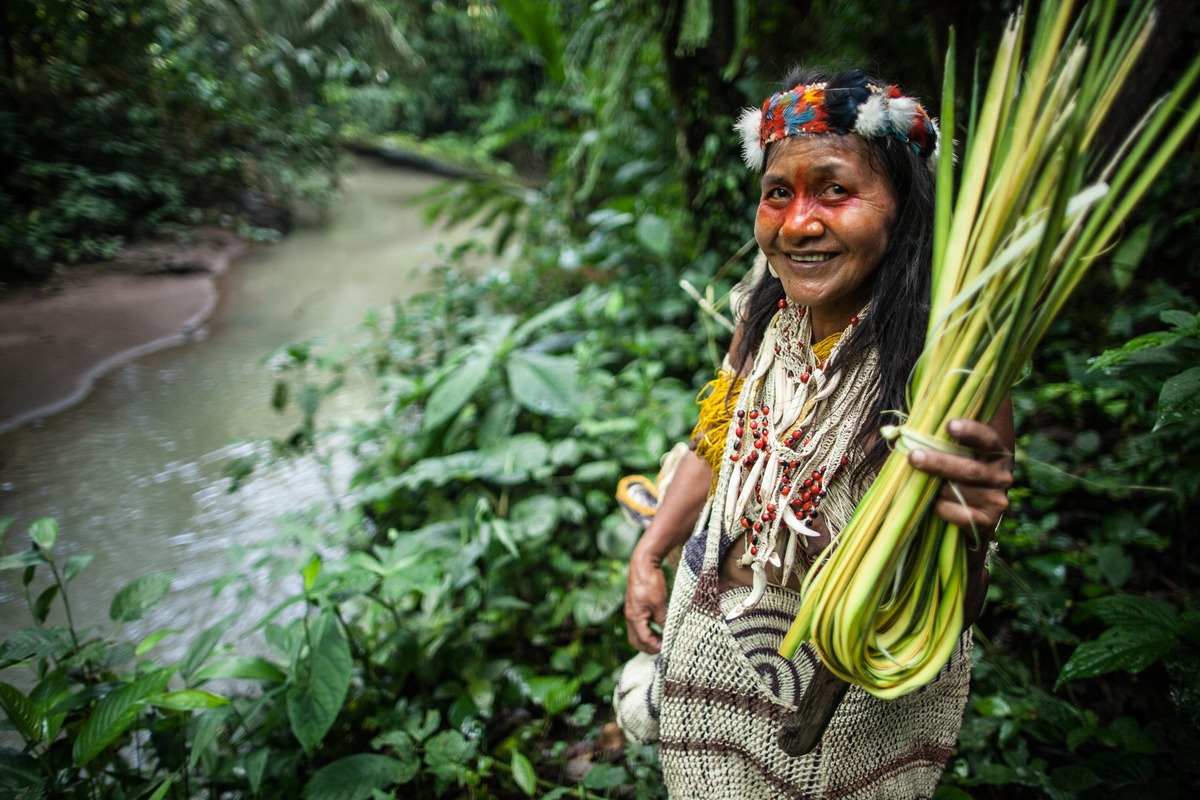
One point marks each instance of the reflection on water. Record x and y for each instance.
(133, 474)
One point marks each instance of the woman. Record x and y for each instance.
(824, 347)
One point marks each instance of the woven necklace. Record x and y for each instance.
(792, 433)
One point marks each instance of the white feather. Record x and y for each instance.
(748, 125)
(901, 112)
(872, 117)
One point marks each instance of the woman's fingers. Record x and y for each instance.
(645, 603)
(974, 494)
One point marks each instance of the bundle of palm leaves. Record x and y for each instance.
(1033, 208)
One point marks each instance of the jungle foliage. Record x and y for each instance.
(450, 624)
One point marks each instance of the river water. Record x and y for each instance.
(133, 474)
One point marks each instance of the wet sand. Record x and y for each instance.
(55, 340)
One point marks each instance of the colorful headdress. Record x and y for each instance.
(847, 104)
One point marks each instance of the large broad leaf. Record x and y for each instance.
(320, 680)
(1179, 398)
(20, 774)
(22, 712)
(456, 389)
(511, 461)
(356, 777)
(136, 599)
(30, 643)
(544, 384)
(1122, 648)
(113, 715)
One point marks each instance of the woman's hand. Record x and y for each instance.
(974, 495)
(645, 600)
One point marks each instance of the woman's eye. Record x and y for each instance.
(837, 189)
(777, 193)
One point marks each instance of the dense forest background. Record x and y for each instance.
(452, 627)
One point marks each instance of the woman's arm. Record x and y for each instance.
(646, 589)
(975, 494)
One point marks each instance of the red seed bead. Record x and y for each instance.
(745, 522)
(753, 415)
(758, 526)
(802, 311)
(844, 461)
(782, 303)
(733, 457)
(784, 490)
(753, 551)
(804, 378)
(770, 506)
(766, 410)
(822, 470)
(816, 476)
(778, 349)
(854, 320)
(807, 482)
(741, 413)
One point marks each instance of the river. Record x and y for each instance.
(133, 474)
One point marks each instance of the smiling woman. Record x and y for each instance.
(823, 225)
(826, 340)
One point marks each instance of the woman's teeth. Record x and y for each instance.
(813, 259)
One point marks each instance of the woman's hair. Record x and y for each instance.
(900, 288)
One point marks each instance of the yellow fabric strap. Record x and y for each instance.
(824, 348)
(717, 401)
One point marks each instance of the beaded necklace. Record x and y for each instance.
(793, 432)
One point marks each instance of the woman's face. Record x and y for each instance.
(823, 224)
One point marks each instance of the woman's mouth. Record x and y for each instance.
(810, 258)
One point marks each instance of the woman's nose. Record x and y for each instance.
(802, 222)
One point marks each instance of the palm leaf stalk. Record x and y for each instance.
(1034, 207)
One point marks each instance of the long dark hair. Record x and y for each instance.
(900, 287)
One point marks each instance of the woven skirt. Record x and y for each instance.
(725, 692)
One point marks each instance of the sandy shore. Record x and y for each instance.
(57, 339)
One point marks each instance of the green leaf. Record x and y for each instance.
(605, 776)
(1129, 255)
(1122, 648)
(203, 647)
(30, 643)
(355, 777)
(256, 767)
(113, 715)
(75, 565)
(44, 533)
(163, 788)
(22, 712)
(21, 560)
(240, 667)
(310, 572)
(1132, 610)
(544, 384)
(41, 606)
(456, 389)
(135, 600)
(150, 641)
(187, 700)
(553, 692)
(1179, 398)
(48, 694)
(320, 680)
(654, 233)
(20, 771)
(523, 774)
(204, 733)
(448, 748)
(1184, 321)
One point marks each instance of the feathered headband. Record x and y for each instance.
(847, 104)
